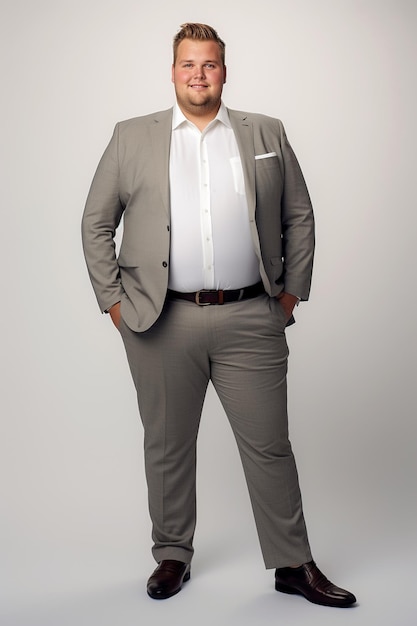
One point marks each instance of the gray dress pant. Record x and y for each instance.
(241, 348)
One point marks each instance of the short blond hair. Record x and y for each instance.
(199, 32)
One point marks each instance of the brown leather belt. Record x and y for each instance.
(204, 297)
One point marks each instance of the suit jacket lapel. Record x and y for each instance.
(243, 130)
(160, 130)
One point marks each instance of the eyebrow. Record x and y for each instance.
(193, 61)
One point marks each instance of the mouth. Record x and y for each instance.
(198, 87)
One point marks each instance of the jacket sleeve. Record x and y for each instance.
(297, 225)
(102, 215)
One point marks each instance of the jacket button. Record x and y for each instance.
(164, 264)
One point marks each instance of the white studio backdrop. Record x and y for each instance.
(74, 526)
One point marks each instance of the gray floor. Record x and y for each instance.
(76, 540)
(219, 592)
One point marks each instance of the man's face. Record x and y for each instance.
(198, 76)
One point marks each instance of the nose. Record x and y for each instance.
(199, 71)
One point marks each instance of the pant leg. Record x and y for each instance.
(249, 368)
(170, 369)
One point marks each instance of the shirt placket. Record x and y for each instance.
(206, 218)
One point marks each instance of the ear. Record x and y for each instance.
(172, 73)
(224, 74)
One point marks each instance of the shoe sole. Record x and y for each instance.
(292, 591)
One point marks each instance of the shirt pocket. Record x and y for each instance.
(237, 172)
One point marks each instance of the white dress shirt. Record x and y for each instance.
(211, 244)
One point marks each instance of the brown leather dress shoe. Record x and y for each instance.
(167, 579)
(308, 581)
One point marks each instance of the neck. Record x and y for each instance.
(200, 117)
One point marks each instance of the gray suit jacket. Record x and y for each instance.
(132, 179)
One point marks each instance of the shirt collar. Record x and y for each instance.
(179, 118)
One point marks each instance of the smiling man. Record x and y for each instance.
(217, 249)
(198, 74)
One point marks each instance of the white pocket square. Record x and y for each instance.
(268, 155)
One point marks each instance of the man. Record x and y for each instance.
(217, 249)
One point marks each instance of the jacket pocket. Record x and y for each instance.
(267, 155)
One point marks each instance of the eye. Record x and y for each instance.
(210, 66)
